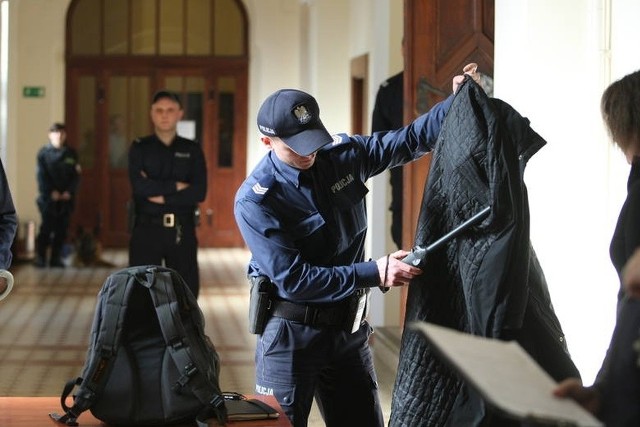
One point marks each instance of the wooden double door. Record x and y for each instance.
(441, 37)
(107, 108)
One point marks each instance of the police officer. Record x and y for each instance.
(302, 214)
(168, 177)
(58, 175)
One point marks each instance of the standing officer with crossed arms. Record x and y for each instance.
(168, 177)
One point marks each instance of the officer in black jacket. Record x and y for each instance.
(58, 175)
(388, 114)
(168, 177)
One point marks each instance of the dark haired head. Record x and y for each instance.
(56, 127)
(165, 94)
(620, 107)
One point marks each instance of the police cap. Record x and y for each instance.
(161, 94)
(294, 116)
(56, 127)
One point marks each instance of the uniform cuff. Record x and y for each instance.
(367, 274)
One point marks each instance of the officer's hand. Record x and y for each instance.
(65, 196)
(631, 275)
(156, 199)
(470, 70)
(181, 185)
(587, 397)
(55, 195)
(394, 272)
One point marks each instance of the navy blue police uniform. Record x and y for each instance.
(306, 232)
(167, 232)
(57, 169)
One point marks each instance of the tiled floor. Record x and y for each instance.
(44, 326)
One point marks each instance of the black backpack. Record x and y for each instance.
(149, 361)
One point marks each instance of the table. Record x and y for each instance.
(34, 412)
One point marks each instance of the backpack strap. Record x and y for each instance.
(167, 306)
(109, 319)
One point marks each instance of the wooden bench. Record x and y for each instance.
(34, 412)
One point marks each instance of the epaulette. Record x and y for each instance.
(261, 187)
(138, 140)
(338, 139)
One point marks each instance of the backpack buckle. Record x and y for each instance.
(217, 401)
(176, 343)
(189, 370)
(106, 351)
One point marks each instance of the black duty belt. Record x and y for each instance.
(333, 315)
(168, 220)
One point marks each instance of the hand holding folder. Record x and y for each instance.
(505, 376)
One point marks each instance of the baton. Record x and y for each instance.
(418, 253)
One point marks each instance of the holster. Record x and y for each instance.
(259, 303)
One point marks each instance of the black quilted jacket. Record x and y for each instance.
(487, 281)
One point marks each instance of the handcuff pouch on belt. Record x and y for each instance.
(259, 303)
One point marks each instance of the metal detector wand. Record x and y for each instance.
(418, 253)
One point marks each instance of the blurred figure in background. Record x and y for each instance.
(58, 175)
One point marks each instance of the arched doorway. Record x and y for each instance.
(118, 53)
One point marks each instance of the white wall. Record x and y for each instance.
(36, 58)
(275, 46)
(386, 60)
(552, 64)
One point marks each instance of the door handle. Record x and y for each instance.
(209, 214)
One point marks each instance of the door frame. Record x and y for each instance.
(98, 179)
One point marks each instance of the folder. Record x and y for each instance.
(507, 378)
(249, 409)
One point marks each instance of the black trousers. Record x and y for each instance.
(621, 388)
(53, 229)
(158, 245)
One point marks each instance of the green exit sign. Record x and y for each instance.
(33, 91)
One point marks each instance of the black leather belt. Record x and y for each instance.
(168, 220)
(333, 315)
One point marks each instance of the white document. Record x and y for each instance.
(505, 376)
(186, 129)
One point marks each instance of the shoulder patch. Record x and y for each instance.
(261, 188)
(338, 139)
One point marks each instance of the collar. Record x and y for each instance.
(289, 173)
